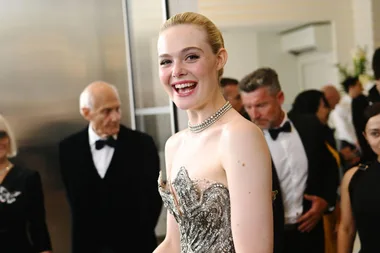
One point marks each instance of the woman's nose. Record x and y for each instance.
(178, 70)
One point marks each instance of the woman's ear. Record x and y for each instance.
(222, 57)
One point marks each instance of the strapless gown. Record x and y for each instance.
(203, 212)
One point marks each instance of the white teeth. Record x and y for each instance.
(183, 85)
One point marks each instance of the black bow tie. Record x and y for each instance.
(274, 132)
(110, 141)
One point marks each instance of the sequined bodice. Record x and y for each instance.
(202, 210)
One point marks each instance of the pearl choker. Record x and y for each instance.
(210, 120)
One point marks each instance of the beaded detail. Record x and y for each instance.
(210, 120)
(203, 212)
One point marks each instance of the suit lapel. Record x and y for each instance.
(117, 153)
(303, 134)
(85, 154)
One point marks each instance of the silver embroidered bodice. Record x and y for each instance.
(203, 212)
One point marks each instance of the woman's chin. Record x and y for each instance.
(181, 105)
(3, 155)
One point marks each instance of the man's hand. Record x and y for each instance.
(311, 218)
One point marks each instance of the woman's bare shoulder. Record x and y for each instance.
(173, 141)
(348, 175)
(240, 132)
(240, 125)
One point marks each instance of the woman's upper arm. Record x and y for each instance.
(246, 159)
(172, 238)
(347, 220)
(171, 243)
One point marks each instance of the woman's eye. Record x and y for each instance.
(192, 57)
(165, 62)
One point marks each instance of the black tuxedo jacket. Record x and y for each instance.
(373, 94)
(278, 214)
(121, 210)
(323, 174)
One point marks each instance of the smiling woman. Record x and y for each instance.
(22, 211)
(231, 175)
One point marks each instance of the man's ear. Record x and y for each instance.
(280, 97)
(86, 113)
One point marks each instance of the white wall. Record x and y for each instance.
(269, 13)
(241, 45)
(376, 22)
(271, 55)
(363, 25)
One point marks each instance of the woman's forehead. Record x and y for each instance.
(374, 122)
(178, 37)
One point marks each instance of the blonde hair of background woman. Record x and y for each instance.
(4, 126)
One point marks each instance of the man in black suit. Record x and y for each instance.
(110, 173)
(374, 92)
(306, 171)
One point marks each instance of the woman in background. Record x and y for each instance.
(314, 102)
(360, 191)
(22, 213)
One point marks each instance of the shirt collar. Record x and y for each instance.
(347, 98)
(93, 136)
(286, 118)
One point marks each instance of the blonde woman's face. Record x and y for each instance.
(4, 145)
(188, 68)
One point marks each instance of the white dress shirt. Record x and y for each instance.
(102, 158)
(290, 160)
(341, 118)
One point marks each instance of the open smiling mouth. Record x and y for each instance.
(184, 88)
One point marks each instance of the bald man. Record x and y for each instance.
(332, 95)
(110, 173)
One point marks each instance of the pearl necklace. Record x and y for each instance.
(210, 120)
(6, 169)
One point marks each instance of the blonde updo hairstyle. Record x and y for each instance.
(4, 126)
(214, 36)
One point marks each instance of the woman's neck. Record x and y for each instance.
(4, 163)
(205, 111)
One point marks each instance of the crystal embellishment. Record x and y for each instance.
(203, 213)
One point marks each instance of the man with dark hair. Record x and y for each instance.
(231, 93)
(301, 160)
(374, 92)
(342, 116)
